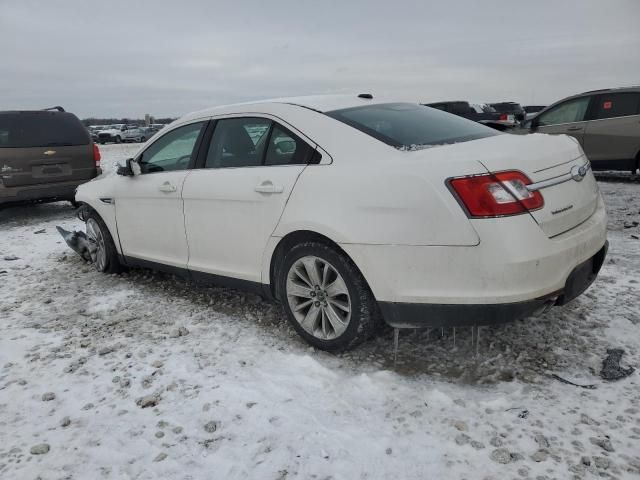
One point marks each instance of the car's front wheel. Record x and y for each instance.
(326, 298)
(103, 254)
(118, 139)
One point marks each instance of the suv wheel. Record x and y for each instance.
(105, 255)
(142, 139)
(327, 300)
(118, 139)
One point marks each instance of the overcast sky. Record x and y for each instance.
(169, 57)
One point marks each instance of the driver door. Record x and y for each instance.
(149, 206)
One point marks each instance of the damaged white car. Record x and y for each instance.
(351, 211)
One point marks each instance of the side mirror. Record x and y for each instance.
(126, 170)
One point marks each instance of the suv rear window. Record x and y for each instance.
(41, 129)
(409, 126)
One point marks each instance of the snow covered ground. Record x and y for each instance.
(144, 376)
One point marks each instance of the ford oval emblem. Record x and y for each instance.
(578, 172)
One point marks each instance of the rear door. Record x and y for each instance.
(43, 147)
(233, 203)
(614, 131)
(567, 118)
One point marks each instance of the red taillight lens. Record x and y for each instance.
(504, 117)
(96, 155)
(497, 194)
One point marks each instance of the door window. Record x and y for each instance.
(238, 142)
(173, 151)
(286, 148)
(567, 112)
(617, 105)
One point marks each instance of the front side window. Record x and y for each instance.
(617, 105)
(238, 142)
(567, 112)
(409, 126)
(173, 151)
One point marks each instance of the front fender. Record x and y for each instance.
(99, 195)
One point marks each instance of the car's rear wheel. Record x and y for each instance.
(104, 255)
(326, 298)
(142, 139)
(118, 140)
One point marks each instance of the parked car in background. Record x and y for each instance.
(351, 210)
(121, 133)
(606, 123)
(93, 131)
(147, 133)
(531, 110)
(44, 156)
(509, 108)
(478, 112)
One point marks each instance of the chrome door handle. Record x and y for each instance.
(167, 187)
(574, 129)
(268, 187)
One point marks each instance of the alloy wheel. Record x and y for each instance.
(318, 297)
(99, 252)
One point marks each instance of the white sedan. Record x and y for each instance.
(351, 211)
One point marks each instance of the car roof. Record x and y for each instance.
(318, 103)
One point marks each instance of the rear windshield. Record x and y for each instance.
(41, 129)
(409, 126)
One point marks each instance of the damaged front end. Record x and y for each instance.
(84, 245)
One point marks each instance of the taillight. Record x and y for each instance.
(496, 194)
(504, 117)
(96, 155)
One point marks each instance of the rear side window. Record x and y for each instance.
(238, 142)
(408, 126)
(41, 129)
(617, 105)
(286, 148)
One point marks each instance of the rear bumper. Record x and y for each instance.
(42, 192)
(511, 273)
(419, 315)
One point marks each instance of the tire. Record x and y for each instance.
(319, 313)
(118, 139)
(98, 231)
(102, 142)
(142, 139)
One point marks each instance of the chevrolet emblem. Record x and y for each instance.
(50, 152)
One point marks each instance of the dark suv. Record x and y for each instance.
(44, 155)
(478, 112)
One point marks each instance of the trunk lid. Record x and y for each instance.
(554, 163)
